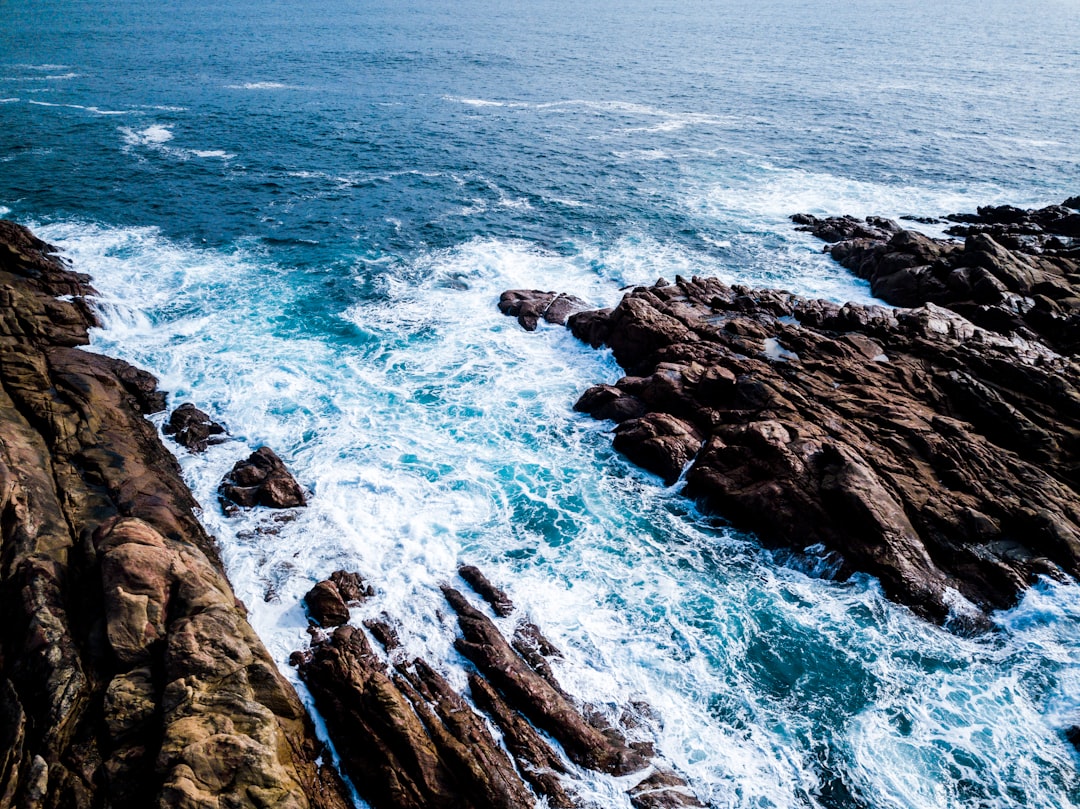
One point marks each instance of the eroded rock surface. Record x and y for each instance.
(937, 454)
(262, 480)
(409, 740)
(129, 676)
(1016, 272)
(192, 428)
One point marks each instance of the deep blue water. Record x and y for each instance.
(300, 217)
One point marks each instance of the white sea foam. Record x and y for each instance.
(8, 100)
(439, 432)
(157, 137)
(95, 110)
(152, 136)
(261, 85)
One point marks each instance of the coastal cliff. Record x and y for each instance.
(933, 446)
(129, 675)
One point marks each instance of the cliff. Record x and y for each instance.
(129, 675)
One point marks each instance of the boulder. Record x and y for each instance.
(192, 428)
(262, 480)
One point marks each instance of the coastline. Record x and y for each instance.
(129, 668)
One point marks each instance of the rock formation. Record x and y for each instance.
(935, 448)
(192, 428)
(408, 740)
(261, 480)
(129, 675)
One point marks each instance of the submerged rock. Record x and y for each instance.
(935, 453)
(262, 480)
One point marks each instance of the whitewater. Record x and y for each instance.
(302, 222)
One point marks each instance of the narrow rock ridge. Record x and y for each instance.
(129, 675)
(934, 453)
(407, 739)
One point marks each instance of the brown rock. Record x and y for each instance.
(131, 677)
(192, 428)
(262, 480)
(930, 451)
(497, 598)
(325, 605)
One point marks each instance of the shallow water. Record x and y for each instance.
(301, 220)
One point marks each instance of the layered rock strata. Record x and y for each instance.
(407, 739)
(934, 453)
(129, 675)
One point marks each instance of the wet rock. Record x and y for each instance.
(328, 601)
(663, 790)
(405, 737)
(530, 306)
(534, 696)
(325, 605)
(192, 428)
(497, 598)
(1009, 259)
(262, 480)
(931, 451)
(130, 676)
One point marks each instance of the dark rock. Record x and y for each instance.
(497, 598)
(534, 696)
(934, 453)
(262, 480)
(192, 428)
(326, 606)
(1072, 202)
(663, 790)
(530, 306)
(122, 642)
(351, 586)
(405, 737)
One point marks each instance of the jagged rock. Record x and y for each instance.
(535, 697)
(936, 454)
(530, 306)
(328, 601)
(405, 738)
(1014, 274)
(262, 480)
(497, 598)
(325, 605)
(192, 428)
(130, 676)
(663, 790)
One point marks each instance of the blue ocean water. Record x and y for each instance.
(300, 217)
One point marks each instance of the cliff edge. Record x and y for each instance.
(129, 675)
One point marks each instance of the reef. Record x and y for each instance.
(933, 446)
(129, 674)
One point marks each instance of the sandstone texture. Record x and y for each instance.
(933, 446)
(408, 740)
(129, 675)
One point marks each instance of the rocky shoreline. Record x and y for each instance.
(129, 674)
(932, 446)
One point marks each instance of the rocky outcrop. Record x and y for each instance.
(409, 740)
(1016, 272)
(328, 601)
(261, 480)
(192, 428)
(931, 452)
(530, 306)
(129, 675)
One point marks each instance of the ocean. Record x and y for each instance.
(300, 217)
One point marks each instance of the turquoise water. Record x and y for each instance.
(301, 218)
